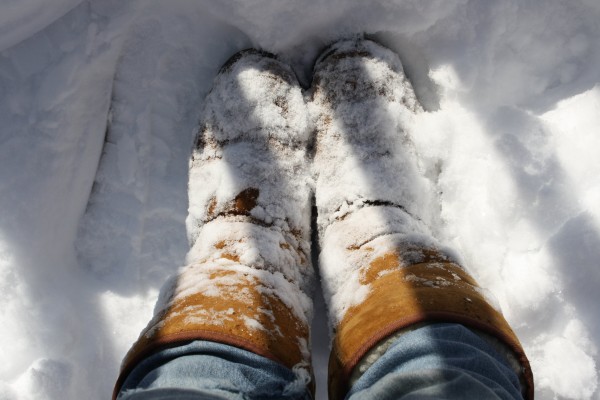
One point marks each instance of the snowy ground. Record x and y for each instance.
(98, 104)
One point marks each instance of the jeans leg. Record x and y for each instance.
(439, 361)
(209, 370)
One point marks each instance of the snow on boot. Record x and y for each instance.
(249, 277)
(381, 269)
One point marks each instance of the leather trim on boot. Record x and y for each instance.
(244, 314)
(401, 297)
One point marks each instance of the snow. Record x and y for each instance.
(20, 19)
(91, 226)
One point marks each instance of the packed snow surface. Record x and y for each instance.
(99, 103)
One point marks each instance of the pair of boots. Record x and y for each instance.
(261, 149)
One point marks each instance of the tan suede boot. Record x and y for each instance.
(249, 275)
(382, 270)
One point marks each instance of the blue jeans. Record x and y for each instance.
(438, 361)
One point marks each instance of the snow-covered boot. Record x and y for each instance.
(382, 271)
(249, 277)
